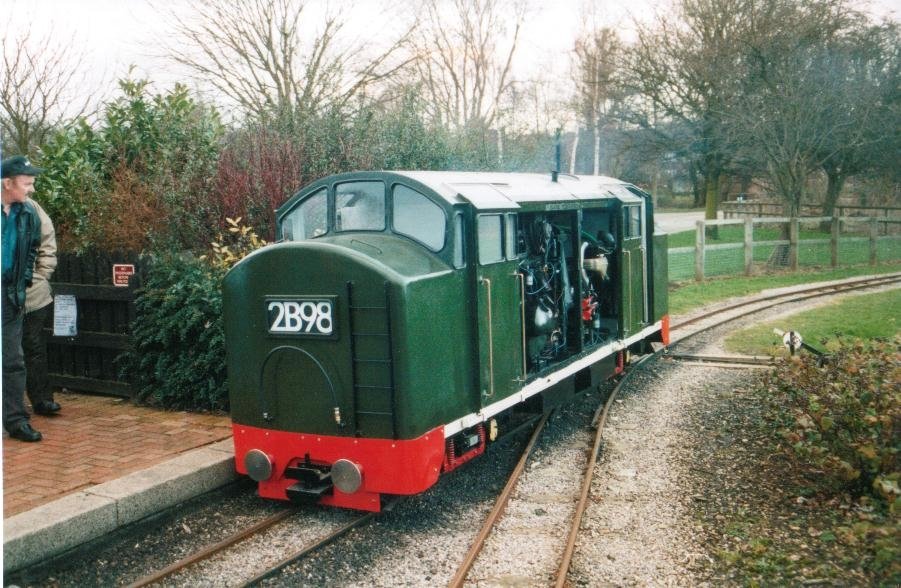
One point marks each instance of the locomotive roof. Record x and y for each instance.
(486, 190)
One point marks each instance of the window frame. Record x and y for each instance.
(307, 198)
(628, 221)
(393, 229)
(502, 243)
(333, 216)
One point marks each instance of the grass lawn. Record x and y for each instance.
(864, 316)
(689, 295)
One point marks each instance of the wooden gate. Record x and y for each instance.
(86, 361)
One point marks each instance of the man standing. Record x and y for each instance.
(21, 237)
(38, 307)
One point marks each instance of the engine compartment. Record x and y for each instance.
(569, 273)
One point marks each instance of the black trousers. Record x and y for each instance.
(14, 412)
(34, 345)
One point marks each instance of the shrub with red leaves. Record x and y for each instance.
(258, 170)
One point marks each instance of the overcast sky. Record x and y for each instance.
(115, 34)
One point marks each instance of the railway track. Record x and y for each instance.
(703, 323)
(780, 298)
(251, 531)
(599, 421)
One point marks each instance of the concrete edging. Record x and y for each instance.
(52, 528)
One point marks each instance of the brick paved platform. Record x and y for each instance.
(96, 439)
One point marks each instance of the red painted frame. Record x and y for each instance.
(389, 466)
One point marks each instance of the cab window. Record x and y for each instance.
(459, 237)
(491, 243)
(419, 218)
(631, 222)
(510, 236)
(308, 220)
(360, 206)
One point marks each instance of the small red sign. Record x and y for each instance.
(121, 273)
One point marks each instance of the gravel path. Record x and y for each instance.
(638, 529)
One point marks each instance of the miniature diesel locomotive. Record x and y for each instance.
(402, 317)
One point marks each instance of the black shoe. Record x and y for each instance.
(47, 407)
(24, 432)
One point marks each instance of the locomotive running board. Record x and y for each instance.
(544, 382)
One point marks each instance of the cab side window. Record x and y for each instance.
(309, 219)
(459, 237)
(631, 222)
(419, 218)
(490, 235)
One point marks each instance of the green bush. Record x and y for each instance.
(844, 417)
(178, 344)
(141, 176)
(178, 355)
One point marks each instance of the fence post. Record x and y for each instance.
(699, 252)
(833, 242)
(749, 246)
(874, 233)
(793, 228)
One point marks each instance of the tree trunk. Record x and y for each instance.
(712, 192)
(835, 183)
(597, 149)
(572, 155)
(697, 194)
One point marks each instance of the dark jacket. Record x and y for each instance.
(28, 239)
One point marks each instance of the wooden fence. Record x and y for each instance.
(778, 243)
(86, 361)
(764, 208)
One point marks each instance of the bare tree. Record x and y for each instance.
(464, 55)
(801, 106)
(255, 53)
(596, 60)
(865, 70)
(41, 81)
(684, 71)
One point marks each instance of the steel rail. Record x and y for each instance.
(498, 509)
(600, 417)
(213, 549)
(749, 360)
(807, 294)
(835, 288)
(310, 548)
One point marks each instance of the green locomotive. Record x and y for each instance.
(403, 316)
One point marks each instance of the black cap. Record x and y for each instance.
(18, 165)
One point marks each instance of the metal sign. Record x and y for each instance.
(121, 273)
(65, 316)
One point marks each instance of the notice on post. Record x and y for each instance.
(65, 315)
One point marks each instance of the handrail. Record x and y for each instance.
(522, 308)
(628, 320)
(487, 282)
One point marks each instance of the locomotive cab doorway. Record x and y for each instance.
(499, 313)
(632, 260)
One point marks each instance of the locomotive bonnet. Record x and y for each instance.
(403, 320)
